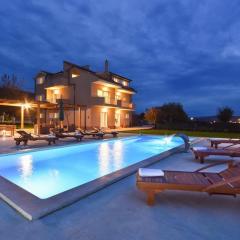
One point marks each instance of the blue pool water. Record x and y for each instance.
(45, 173)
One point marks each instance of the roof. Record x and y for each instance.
(108, 77)
(117, 75)
(103, 75)
(81, 67)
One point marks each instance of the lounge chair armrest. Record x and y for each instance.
(229, 162)
(221, 183)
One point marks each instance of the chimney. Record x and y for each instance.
(106, 66)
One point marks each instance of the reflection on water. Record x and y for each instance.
(26, 166)
(110, 157)
(103, 158)
(118, 154)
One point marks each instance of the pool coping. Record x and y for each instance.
(32, 207)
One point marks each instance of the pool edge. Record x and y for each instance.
(33, 208)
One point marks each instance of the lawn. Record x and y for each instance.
(189, 133)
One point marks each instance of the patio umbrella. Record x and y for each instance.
(61, 112)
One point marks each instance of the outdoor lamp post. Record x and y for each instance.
(23, 106)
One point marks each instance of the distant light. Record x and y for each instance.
(26, 105)
(192, 118)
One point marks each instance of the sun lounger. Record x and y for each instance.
(25, 137)
(107, 131)
(226, 182)
(216, 142)
(77, 136)
(94, 134)
(60, 134)
(202, 152)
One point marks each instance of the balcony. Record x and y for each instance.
(56, 100)
(103, 101)
(52, 100)
(56, 82)
(124, 104)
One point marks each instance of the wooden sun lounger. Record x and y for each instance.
(109, 131)
(226, 182)
(216, 142)
(94, 134)
(59, 134)
(202, 152)
(25, 137)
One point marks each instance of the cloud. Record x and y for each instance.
(178, 50)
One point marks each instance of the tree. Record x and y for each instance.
(10, 88)
(172, 113)
(151, 115)
(9, 82)
(225, 114)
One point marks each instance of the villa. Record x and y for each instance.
(91, 99)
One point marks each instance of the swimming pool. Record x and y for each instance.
(46, 173)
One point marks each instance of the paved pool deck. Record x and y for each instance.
(120, 212)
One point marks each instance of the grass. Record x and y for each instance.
(189, 133)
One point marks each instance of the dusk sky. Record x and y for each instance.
(184, 51)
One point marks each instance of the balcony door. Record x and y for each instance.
(104, 120)
(117, 119)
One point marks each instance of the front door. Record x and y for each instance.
(103, 120)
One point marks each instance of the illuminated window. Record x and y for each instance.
(116, 80)
(74, 75)
(127, 116)
(53, 115)
(39, 97)
(56, 91)
(40, 80)
(124, 83)
(99, 93)
(118, 96)
(41, 115)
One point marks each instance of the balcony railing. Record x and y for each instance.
(103, 100)
(96, 100)
(56, 100)
(127, 104)
(111, 101)
(52, 100)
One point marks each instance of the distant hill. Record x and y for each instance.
(214, 118)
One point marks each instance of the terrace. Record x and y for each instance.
(119, 212)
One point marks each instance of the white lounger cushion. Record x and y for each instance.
(200, 148)
(148, 172)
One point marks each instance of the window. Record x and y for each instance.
(41, 115)
(39, 97)
(125, 83)
(118, 96)
(53, 115)
(56, 91)
(74, 75)
(115, 79)
(127, 116)
(40, 80)
(99, 93)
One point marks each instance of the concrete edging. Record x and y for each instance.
(32, 207)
